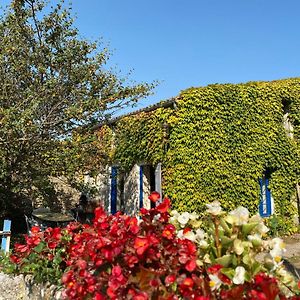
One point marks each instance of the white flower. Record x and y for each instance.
(156, 218)
(190, 235)
(276, 254)
(200, 234)
(196, 223)
(215, 282)
(238, 247)
(203, 244)
(193, 216)
(262, 228)
(277, 243)
(184, 218)
(174, 216)
(239, 216)
(256, 219)
(255, 239)
(214, 208)
(174, 213)
(206, 258)
(239, 275)
(277, 250)
(180, 234)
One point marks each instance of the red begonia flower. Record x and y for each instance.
(169, 231)
(35, 229)
(141, 244)
(191, 265)
(214, 269)
(163, 207)
(187, 283)
(154, 197)
(170, 279)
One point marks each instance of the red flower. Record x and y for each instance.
(144, 211)
(131, 260)
(35, 229)
(154, 283)
(224, 278)
(15, 259)
(186, 230)
(191, 265)
(21, 248)
(169, 231)
(163, 207)
(133, 225)
(233, 293)
(141, 244)
(99, 214)
(170, 279)
(255, 295)
(214, 269)
(81, 264)
(99, 296)
(154, 197)
(111, 293)
(187, 283)
(140, 296)
(52, 245)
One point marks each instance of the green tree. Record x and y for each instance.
(52, 82)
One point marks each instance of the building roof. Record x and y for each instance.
(165, 103)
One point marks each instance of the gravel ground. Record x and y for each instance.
(292, 253)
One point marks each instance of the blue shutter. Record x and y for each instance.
(114, 190)
(141, 187)
(6, 236)
(265, 204)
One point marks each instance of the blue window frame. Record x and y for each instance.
(141, 187)
(266, 200)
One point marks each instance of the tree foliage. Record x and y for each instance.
(52, 82)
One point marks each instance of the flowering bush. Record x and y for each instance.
(234, 241)
(43, 255)
(160, 255)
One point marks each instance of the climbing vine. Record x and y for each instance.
(222, 139)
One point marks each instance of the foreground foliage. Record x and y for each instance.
(160, 255)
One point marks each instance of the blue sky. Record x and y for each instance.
(195, 42)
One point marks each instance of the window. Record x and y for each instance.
(266, 204)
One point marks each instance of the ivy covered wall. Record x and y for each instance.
(221, 139)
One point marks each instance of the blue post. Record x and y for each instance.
(6, 236)
(265, 204)
(114, 190)
(141, 187)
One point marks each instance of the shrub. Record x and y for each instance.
(160, 255)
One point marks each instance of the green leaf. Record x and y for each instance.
(40, 247)
(225, 260)
(247, 228)
(229, 272)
